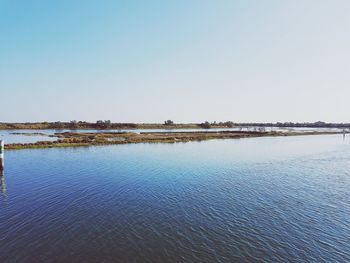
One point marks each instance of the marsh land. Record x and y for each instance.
(84, 139)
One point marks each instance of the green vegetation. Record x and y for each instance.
(168, 122)
(104, 125)
(205, 125)
(79, 139)
(107, 124)
(74, 139)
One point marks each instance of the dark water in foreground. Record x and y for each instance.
(267, 199)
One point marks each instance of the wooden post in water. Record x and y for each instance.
(2, 149)
(2, 177)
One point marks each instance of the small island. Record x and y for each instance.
(85, 139)
(83, 134)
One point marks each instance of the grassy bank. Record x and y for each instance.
(169, 124)
(73, 139)
(105, 125)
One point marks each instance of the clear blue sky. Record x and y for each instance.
(185, 60)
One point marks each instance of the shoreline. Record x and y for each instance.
(73, 139)
(167, 125)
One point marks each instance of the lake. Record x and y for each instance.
(272, 199)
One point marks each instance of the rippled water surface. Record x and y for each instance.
(248, 200)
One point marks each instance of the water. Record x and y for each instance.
(28, 136)
(245, 200)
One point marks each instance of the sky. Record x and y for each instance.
(184, 60)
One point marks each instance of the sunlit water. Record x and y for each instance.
(26, 136)
(247, 200)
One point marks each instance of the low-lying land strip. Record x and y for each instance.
(77, 139)
(168, 124)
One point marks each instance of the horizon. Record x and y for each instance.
(187, 61)
(217, 122)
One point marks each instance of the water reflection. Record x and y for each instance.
(2, 183)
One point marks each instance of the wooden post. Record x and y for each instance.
(2, 149)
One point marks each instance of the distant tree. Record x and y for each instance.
(73, 124)
(319, 124)
(229, 124)
(108, 123)
(205, 125)
(103, 124)
(168, 122)
(56, 125)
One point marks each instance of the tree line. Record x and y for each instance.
(107, 124)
